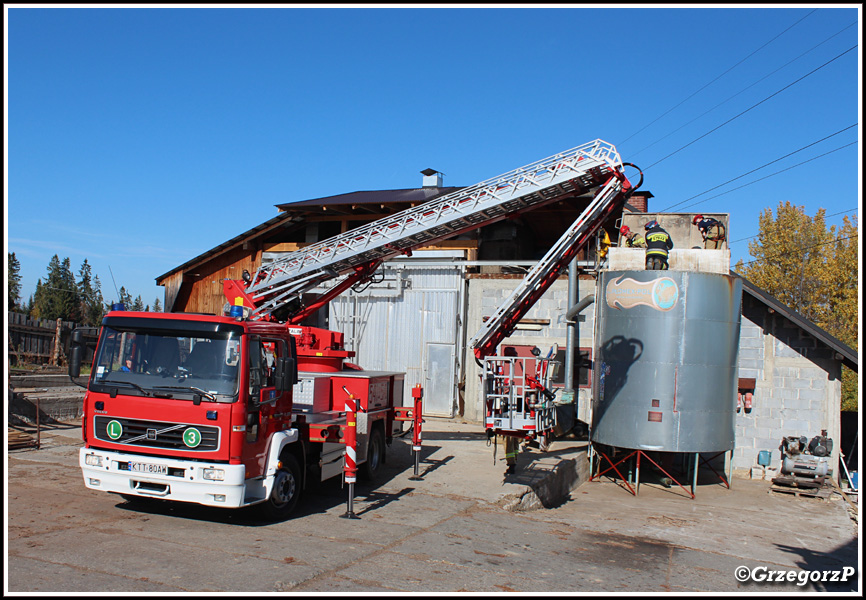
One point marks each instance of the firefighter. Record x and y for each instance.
(658, 243)
(632, 238)
(711, 230)
(511, 446)
(603, 245)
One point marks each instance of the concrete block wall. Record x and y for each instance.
(679, 225)
(797, 387)
(486, 295)
(679, 259)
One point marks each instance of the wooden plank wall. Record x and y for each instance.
(32, 340)
(202, 288)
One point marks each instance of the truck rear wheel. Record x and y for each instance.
(285, 492)
(375, 454)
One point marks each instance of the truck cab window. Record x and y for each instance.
(139, 361)
(258, 364)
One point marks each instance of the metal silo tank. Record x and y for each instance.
(665, 370)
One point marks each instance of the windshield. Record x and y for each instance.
(168, 364)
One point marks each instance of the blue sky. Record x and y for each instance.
(139, 138)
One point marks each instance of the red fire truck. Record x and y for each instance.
(211, 409)
(238, 409)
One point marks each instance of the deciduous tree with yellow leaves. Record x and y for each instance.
(813, 270)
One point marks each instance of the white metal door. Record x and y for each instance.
(439, 386)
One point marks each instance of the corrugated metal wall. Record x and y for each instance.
(406, 323)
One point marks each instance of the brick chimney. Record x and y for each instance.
(639, 201)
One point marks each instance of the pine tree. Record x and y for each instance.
(90, 295)
(97, 305)
(70, 299)
(137, 304)
(58, 296)
(13, 277)
(33, 305)
(157, 307)
(812, 270)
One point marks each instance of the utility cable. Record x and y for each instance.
(841, 212)
(88, 296)
(770, 175)
(802, 249)
(742, 90)
(761, 167)
(754, 106)
(717, 78)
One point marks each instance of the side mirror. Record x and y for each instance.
(286, 374)
(76, 350)
(75, 361)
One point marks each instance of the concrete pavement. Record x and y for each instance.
(448, 532)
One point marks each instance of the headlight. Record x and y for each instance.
(213, 474)
(93, 460)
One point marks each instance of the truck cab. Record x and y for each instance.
(195, 408)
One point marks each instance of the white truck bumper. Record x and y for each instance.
(165, 478)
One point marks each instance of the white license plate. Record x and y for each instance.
(138, 467)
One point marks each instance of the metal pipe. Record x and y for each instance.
(576, 309)
(38, 426)
(695, 476)
(730, 469)
(571, 336)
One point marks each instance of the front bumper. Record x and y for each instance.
(183, 482)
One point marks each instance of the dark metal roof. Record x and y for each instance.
(850, 357)
(372, 197)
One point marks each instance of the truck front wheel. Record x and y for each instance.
(285, 492)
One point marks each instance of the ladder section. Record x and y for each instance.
(569, 173)
(544, 273)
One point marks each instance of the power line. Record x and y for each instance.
(717, 78)
(841, 212)
(772, 174)
(752, 107)
(761, 167)
(48, 287)
(802, 249)
(742, 90)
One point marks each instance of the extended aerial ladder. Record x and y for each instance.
(515, 402)
(516, 392)
(354, 256)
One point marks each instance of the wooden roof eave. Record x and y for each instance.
(281, 220)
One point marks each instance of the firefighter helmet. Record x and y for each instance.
(651, 224)
(697, 218)
(624, 230)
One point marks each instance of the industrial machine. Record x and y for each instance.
(250, 407)
(804, 463)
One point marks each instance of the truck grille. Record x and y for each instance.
(157, 434)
